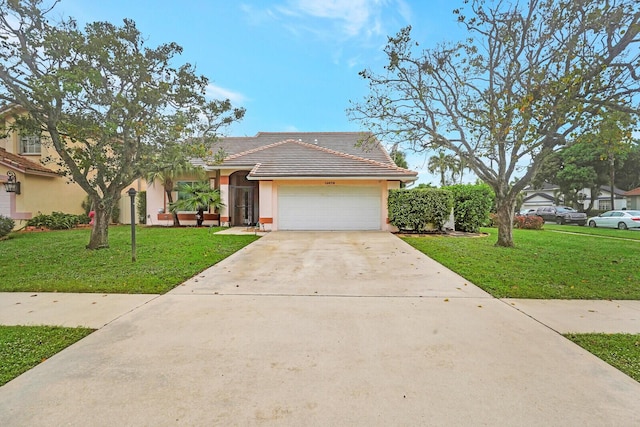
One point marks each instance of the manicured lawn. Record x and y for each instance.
(57, 261)
(544, 263)
(608, 232)
(621, 351)
(23, 347)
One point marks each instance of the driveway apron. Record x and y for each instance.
(323, 328)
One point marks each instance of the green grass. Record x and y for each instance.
(607, 232)
(544, 264)
(23, 347)
(57, 261)
(622, 351)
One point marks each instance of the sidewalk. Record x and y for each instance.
(97, 310)
(70, 310)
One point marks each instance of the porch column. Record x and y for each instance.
(224, 195)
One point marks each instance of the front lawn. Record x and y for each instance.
(544, 264)
(622, 351)
(23, 347)
(57, 261)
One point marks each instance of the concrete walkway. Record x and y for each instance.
(326, 329)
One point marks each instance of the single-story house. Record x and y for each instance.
(549, 195)
(633, 198)
(297, 181)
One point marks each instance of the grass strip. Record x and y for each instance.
(23, 347)
(622, 351)
(603, 232)
(543, 265)
(57, 261)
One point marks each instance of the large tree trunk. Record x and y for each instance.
(100, 232)
(504, 211)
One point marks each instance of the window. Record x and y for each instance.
(30, 144)
(604, 205)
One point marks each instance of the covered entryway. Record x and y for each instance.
(243, 199)
(329, 207)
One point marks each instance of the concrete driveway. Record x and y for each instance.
(323, 329)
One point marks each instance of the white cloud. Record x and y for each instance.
(217, 92)
(335, 19)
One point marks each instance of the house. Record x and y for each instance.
(297, 181)
(633, 199)
(38, 188)
(549, 195)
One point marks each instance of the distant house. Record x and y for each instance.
(633, 199)
(297, 181)
(550, 195)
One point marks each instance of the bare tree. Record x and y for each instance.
(528, 77)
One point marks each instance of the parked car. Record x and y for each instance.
(561, 215)
(616, 219)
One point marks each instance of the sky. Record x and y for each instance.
(292, 64)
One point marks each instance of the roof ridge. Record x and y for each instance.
(257, 149)
(351, 156)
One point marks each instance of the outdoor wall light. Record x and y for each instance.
(12, 185)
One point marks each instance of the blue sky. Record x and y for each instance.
(293, 64)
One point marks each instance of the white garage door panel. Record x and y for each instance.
(332, 207)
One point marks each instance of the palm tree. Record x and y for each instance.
(441, 164)
(166, 171)
(197, 197)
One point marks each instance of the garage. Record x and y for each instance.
(329, 207)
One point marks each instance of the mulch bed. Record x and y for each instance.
(435, 233)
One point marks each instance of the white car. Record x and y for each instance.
(616, 219)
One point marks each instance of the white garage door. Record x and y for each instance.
(330, 207)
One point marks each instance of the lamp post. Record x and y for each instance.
(132, 194)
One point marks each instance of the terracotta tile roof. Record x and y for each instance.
(22, 164)
(634, 192)
(308, 154)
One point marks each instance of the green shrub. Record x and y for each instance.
(6, 225)
(142, 207)
(471, 206)
(115, 214)
(57, 221)
(413, 210)
(86, 205)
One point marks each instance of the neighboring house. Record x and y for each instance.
(41, 188)
(633, 199)
(297, 181)
(549, 195)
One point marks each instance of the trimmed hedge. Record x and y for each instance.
(57, 221)
(471, 206)
(413, 210)
(6, 225)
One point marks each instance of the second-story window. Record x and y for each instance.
(30, 144)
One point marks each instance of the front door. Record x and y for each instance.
(243, 206)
